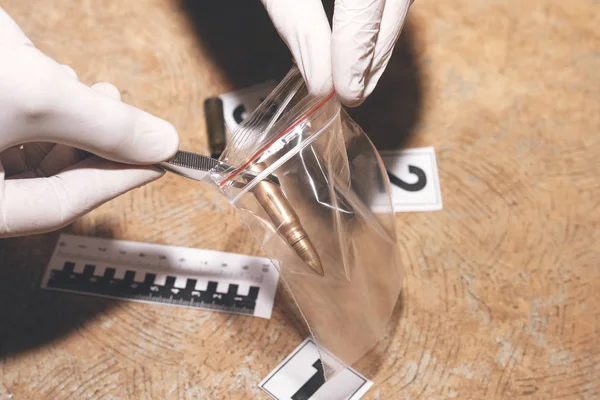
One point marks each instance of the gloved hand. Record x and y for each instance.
(353, 57)
(47, 183)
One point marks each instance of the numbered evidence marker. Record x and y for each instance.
(152, 273)
(239, 104)
(414, 179)
(300, 377)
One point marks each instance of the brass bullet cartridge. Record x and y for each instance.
(286, 221)
(268, 194)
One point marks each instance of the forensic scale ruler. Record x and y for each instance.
(171, 275)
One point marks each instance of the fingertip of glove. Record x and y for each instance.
(350, 91)
(317, 77)
(156, 139)
(320, 87)
(351, 102)
(153, 139)
(108, 90)
(161, 136)
(171, 141)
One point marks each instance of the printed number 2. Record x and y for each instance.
(410, 187)
(312, 385)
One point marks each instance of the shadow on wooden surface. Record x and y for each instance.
(240, 38)
(31, 317)
(242, 41)
(390, 114)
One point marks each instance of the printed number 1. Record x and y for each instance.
(410, 187)
(312, 385)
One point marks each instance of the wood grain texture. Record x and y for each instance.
(502, 291)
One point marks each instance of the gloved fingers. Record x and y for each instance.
(107, 89)
(356, 25)
(49, 159)
(394, 15)
(31, 206)
(92, 121)
(304, 28)
(56, 108)
(10, 33)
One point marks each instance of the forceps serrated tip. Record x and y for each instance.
(196, 166)
(194, 161)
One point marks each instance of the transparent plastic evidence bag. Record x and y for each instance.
(329, 223)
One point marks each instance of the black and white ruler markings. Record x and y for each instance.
(147, 272)
(300, 377)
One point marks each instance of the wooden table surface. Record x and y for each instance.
(502, 291)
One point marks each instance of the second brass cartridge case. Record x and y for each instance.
(215, 126)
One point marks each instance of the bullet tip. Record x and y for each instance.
(307, 252)
(317, 267)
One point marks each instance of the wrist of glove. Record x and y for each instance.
(351, 56)
(47, 117)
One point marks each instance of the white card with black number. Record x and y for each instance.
(414, 179)
(239, 104)
(300, 377)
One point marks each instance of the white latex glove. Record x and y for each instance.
(46, 184)
(353, 57)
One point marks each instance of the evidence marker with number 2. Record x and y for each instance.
(169, 275)
(414, 179)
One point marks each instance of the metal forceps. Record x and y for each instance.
(197, 167)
